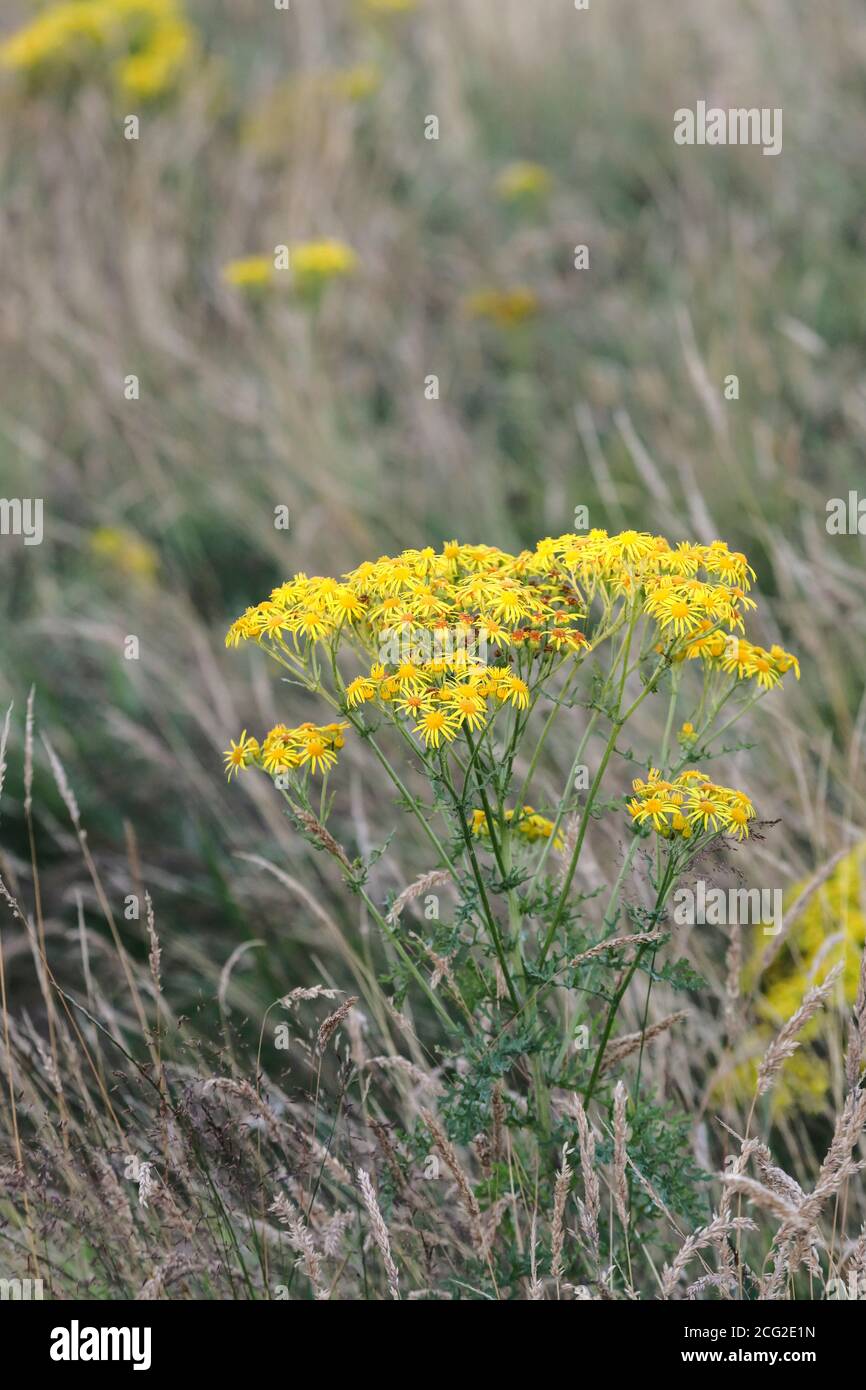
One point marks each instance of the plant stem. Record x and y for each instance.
(664, 888)
(584, 822)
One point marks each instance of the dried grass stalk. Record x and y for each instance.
(154, 955)
(302, 1242)
(557, 1224)
(786, 1042)
(856, 1050)
(615, 943)
(467, 1196)
(317, 831)
(333, 1021)
(620, 1177)
(380, 1232)
(623, 1047)
(589, 1208)
(714, 1234)
(437, 878)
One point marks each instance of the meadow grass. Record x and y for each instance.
(160, 525)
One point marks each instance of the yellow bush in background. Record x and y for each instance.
(830, 930)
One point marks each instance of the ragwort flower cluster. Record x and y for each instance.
(452, 636)
(689, 804)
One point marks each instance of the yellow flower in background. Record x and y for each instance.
(249, 272)
(830, 930)
(386, 7)
(358, 83)
(303, 104)
(126, 552)
(533, 826)
(62, 32)
(505, 308)
(527, 823)
(143, 44)
(315, 263)
(524, 182)
(153, 70)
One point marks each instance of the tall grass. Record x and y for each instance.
(703, 263)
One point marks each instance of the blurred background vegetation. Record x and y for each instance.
(602, 387)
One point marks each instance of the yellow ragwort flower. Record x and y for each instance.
(249, 272)
(506, 308)
(523, 181)
(315, 263)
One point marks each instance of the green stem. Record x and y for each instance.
(620, 994)
(409, 963)
(493, 928)
(584, 822)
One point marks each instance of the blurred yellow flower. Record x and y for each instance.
(375, 7)
(831, 929)
(527, 822)
(152, 70)
(358, 83)
(303, 101)
(314, 263)
(249, 272)
(523, 181)
(143, 44)
(126, 552)
(63, 31)
(505, 308)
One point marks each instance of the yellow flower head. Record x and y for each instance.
(436, 725)
(314, 263)
(523, 182)
(505, 308)
(249, 273)
(690, 804)
(514, 690)
(60, 35)
(126, 552)
(360, 690)
(528, 824)
(312, 747)
(142, 44)
(358, 83)
(240, 755)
